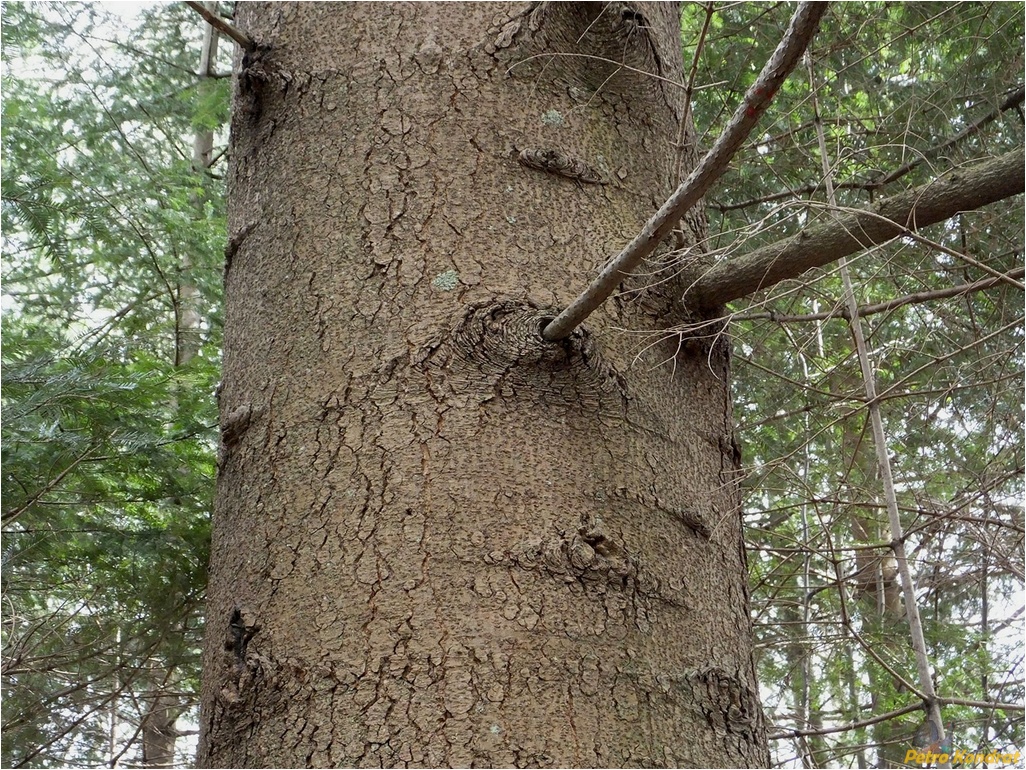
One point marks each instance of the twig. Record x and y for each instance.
(850, 726)
(983, 704)
(794, 192)
(222, 26)
(605, 60)
(689, 92)
(9, 517)
(1014, 99)
(883, 307)
(1006, 277)
(785, 57)
(893, 390)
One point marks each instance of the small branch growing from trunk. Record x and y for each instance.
(785, 57)
(222, 26)
(960, 190)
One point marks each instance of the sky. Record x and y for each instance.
(126, 9)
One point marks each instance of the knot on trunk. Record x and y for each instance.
(496, 349)
(504, 334)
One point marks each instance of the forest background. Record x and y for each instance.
(113, 150)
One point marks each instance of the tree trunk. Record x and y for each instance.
(440, 540)
(159, 732)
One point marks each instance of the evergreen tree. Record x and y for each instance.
(113, 240)
(108, 440)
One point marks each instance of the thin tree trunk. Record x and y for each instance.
(896, 532)
(159, 724)
(189, 318)
(158, 730)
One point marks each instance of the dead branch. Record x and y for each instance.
(850, 726)
(963, 189)
(1014, 99)
(800, 31)
(222, 26)
(891, 304)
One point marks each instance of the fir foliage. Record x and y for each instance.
(108, 438)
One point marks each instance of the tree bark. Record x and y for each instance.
(439, 539)
(963, 189)
(158, 731)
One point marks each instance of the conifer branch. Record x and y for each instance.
(963, 189)
(1014, 99)
(800, 31)
(891, 304)
(873, 720)
(222, 26)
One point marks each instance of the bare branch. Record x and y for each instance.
(9, 517)
(962, 256)
(785, 57)
(983, 704)
(850, 726)
(222, 26)
(689, 90)
(959, 190)
(883, 307)
(1014, 99)
(795, 192)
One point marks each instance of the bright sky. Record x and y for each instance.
(126, 9)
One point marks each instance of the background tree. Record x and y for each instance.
(109, 445)
(905, 93)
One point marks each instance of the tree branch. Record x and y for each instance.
(850, 726)
(795, 192)
(983, 704)
(959, 190)
(963, 257)
(1014, 99)
(222, 26)
(785, 57)
(882, 307)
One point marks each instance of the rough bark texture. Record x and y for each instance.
(440, 540)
